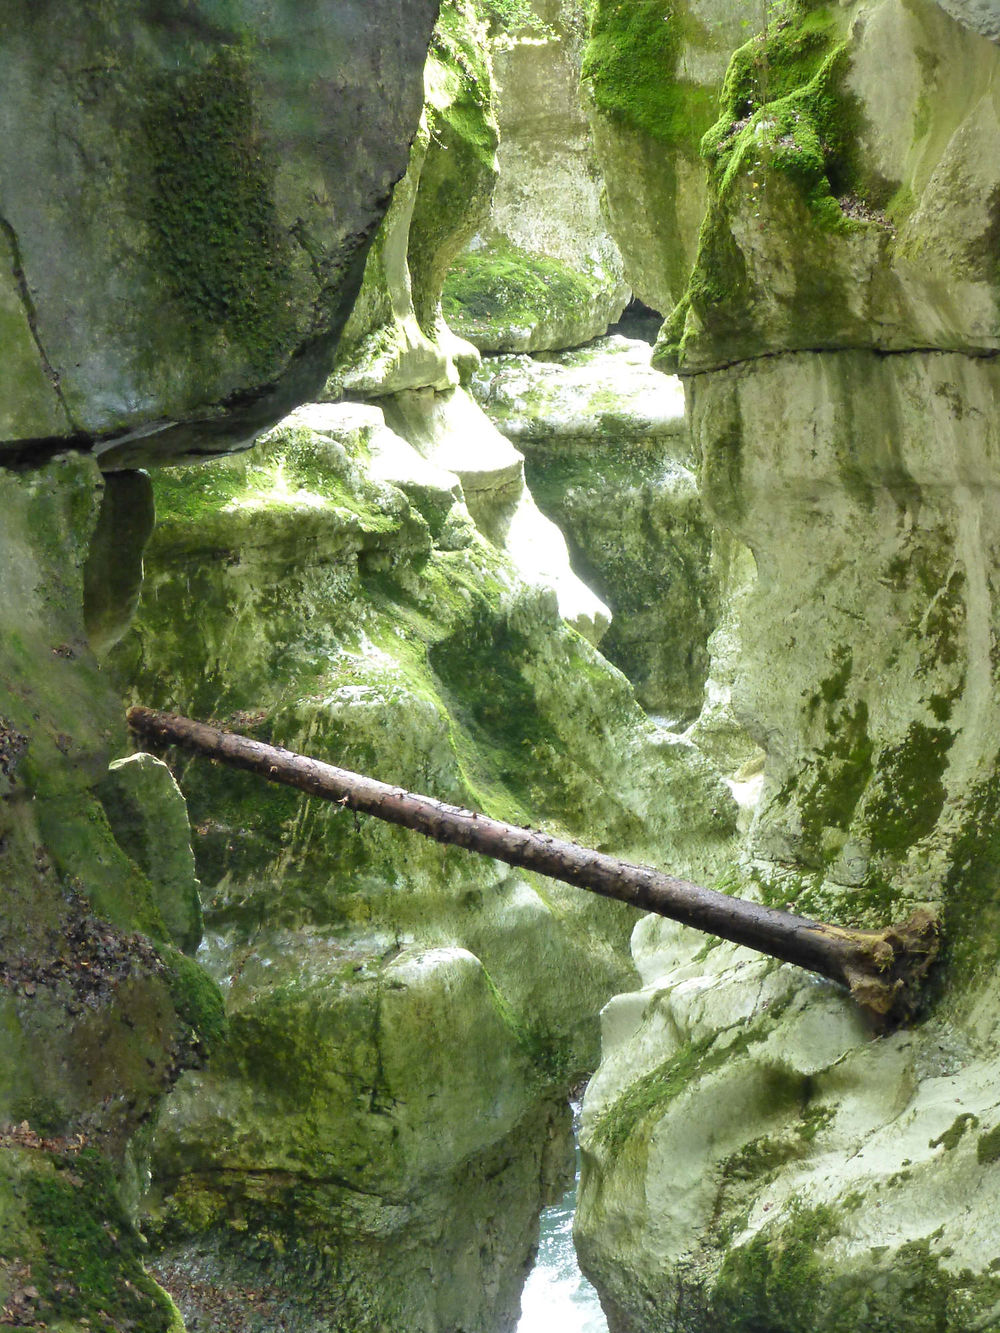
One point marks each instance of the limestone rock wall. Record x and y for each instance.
(185, 208)
(372, 1142)
(753, 1157)
(99, 1008)
(398, 349)
(396, 337)
(542, 271)
(652, 74)
(609, 458)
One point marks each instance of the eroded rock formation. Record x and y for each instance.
(754, 1159)
(542, 270)
(381, 1112)
(402, 1017)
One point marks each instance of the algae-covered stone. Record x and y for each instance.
(827, 223)
(69, 1252)
(543, 271)
(453, 432)
(185, 210)
(609, 459)
(113, 572)
(794, 1171)
(769, 1156)
(401, 1016)
(147, 813)
(652, 74)
(396, 338)
(90, 1034)
(752, 1158)
(399, 350)
(506, 299)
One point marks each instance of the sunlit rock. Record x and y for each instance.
(386, 1110)
(98, 1009)
(609, 458)
(753, 1155)
(652, 73)
(542, 270)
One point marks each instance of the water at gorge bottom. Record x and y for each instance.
(557, 1298)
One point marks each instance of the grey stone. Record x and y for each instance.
(186, 201)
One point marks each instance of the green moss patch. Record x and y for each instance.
(651, 1094)
(772, 1283)
(216, 237)
(495, 295)
(785, 115)
(988, 1147)
(73, 1248)
(912, 794)
(630, 64)
(196, 998)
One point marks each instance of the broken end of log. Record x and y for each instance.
(885, 970)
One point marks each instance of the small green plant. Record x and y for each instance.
(510, 15)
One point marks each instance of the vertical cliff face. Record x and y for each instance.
(754, 1159)
(100, 1009)
(651, 78)
(386, 1115)
(183, 218)
(542, 270)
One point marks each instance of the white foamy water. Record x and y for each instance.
(557, 1298)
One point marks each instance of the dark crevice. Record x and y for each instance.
(979, 354)
(32, 317)
(27, 455)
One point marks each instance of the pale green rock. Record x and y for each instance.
(113, 573)
(396, 338)
(399, 351)
(542, 271)
(652, 76)
(149, 819)
(609, 459)
(31, 403)
(453, 432)
(402, 1017)
(753, 1158)
(92, 1031)
(852, 209)
(741, 1112)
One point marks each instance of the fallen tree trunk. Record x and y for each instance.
(883, 969)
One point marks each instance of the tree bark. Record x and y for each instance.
(882, 969)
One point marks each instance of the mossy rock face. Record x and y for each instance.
(504, 299)
(609, 459)
(548, 200)
(400, 1015)
(91, 1033)
(149, 819)
(395, 338)
(867, 789)
(835, 217)
(652, 74)
(860, 658)
(183, 276)
(70, 1256)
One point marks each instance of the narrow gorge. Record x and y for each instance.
(586, 412)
